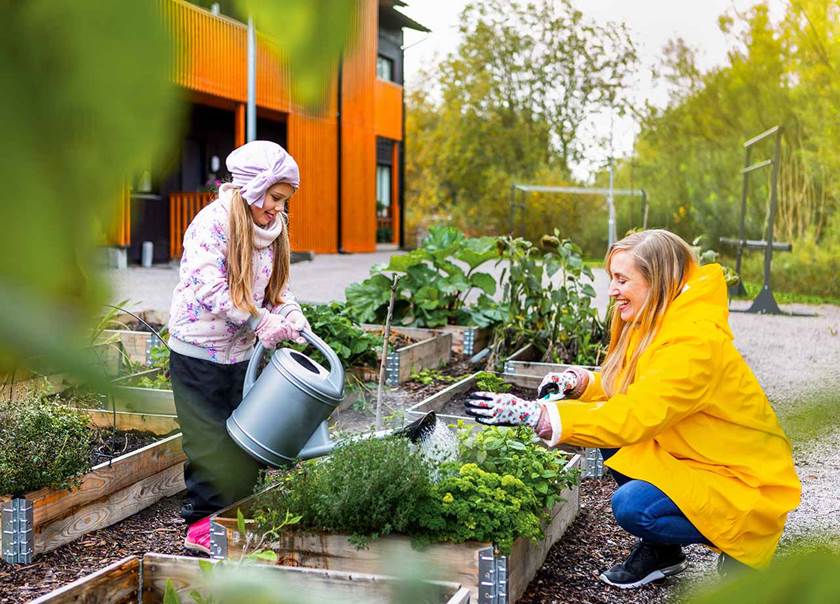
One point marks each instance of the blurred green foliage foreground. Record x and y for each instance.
(87, 102)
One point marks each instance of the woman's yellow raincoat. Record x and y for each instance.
(696, 424)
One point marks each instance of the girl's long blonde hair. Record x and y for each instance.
(664, 260)
(240, 258)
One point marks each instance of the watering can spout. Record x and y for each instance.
(319, 444)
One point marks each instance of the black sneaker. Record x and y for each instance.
(647, 562)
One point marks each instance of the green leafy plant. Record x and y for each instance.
(437, 279)
(430, 376)
(159, 359)
(515, 451)
(473, 504)
(42, 444)
(547, 302)
(353, 345)
(486, 381)
(367, 488)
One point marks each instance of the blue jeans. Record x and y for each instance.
(643, 510)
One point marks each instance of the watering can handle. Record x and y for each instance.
(336, 377)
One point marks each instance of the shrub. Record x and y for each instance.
(42, 444)
(367, 488)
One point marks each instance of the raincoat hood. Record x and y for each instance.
(704, 298)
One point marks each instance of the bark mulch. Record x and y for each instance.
(593, 544)
(158, 528)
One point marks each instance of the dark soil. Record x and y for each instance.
(593, 544)
(158, 528)
(108, 444)
(396, 339)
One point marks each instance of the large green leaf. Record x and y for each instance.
(478, 250)
(484, 281)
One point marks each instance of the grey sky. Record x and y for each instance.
(651, 22)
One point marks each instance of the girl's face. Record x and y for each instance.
(627, 286)
(274, 202)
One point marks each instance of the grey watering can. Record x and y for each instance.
(283, 413)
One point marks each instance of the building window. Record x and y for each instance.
(384, 220)
(384, 68)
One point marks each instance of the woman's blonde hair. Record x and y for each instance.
(664, 260)
(240, 258)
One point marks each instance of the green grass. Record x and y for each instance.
(813, 419)
(783, 297)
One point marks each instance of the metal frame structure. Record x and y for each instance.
(520, 190)
(765, 302)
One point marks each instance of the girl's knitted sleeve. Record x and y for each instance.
(288, 305)
(204, 267)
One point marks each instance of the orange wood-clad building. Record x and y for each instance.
(350, 157)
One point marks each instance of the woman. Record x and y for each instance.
(682, 421)
(233, 277)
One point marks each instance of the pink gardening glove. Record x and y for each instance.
(273, 329)
(299, 323)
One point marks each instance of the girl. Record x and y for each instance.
(233, 277)
(691, 438)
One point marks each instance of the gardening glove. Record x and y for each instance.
(501, 409)
(273, 329)
(299, 323)
(567, 384)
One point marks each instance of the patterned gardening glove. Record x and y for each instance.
(272, 329)
(299, 323)
(499, 409)
(567, 384)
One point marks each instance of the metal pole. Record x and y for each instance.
(742, 227)
(644, 210)
(611, 236)
(251, 118)
(771, 219)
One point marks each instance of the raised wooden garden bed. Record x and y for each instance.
(134, 580)
(489, 575)
(430, 349)
(524, 367)
(439, 401)
(447, 406)
(137, 345)
(43, 520)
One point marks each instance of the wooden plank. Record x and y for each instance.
(482, 337)
(109, 509)
(426, 354)
(134, 343)
(144, 422)
(527, 557)
(107, 478)
(117, 583)
(532, 368)
(336, 586)
(144, 400)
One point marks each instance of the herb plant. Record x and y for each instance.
(367, 488)
(486, 381)
(515, 451)
(42, 444)
(437, 279)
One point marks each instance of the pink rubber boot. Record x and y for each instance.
(198, 536)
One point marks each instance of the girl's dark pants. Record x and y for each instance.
(217, 472)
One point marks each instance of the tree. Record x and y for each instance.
(512, 101)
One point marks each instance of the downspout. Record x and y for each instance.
(339, 242)
(401, 158)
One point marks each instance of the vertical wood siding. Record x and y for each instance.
(358, 141)
(182, 209)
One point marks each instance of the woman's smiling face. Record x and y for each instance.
(627, 285)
